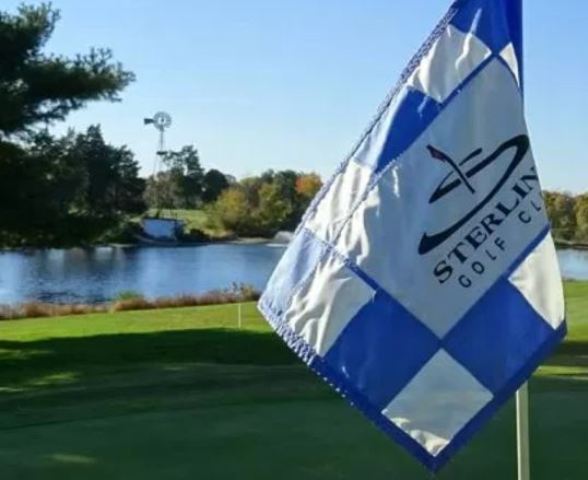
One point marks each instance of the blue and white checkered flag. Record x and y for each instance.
(423, 282)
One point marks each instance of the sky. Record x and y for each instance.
(259, 84)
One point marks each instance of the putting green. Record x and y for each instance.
(183, 394)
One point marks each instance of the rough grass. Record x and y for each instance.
(184, 393)
(129, 300)
(43, 309)
(238, 294)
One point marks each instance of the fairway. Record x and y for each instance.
(184, 393)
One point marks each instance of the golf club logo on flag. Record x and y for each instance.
(423, 281)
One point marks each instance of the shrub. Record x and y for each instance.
(40, 309)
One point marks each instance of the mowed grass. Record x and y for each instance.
(184, 393)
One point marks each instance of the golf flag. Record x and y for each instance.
(423, 281)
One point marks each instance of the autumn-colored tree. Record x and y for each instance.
(308, 185)
(264, 205)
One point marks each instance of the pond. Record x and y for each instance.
(99, 274)
(573, 263)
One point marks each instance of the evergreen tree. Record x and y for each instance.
(36, 87)
(40, 178)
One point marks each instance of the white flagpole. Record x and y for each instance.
(523, 459)
(522, 396)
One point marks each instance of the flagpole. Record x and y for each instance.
(522, 395)
(523, 458)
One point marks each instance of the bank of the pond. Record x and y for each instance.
(566, 245)
(130, 301)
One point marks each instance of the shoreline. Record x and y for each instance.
(201, 243)
(137, 302)
(134, 301)
(564, 245)
(227, 240)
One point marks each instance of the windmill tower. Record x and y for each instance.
(161, 121)
(159, 229)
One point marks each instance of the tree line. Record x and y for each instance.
(79, 189)
(183, 183)
(66, 190)
(254, 206)
(263, 205)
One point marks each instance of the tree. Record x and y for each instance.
(264, 205)
(285, 182)
(581, 210)
(184, 184)
(186, 174)
(213, 183)
(273, 210)
(111, 185)
(561, 211)
(29, 209)
(42, 201)
(66, 190)
(251, 186)
(232, 209)
(161, 191)
(39, 88)
(308, 185)
(129, 187)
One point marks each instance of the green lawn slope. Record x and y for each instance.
(185, 393)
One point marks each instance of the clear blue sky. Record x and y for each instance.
(259, 84)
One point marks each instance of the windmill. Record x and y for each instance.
(160, 229)
(161, 121)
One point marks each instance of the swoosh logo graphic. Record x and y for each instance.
(521, 144)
